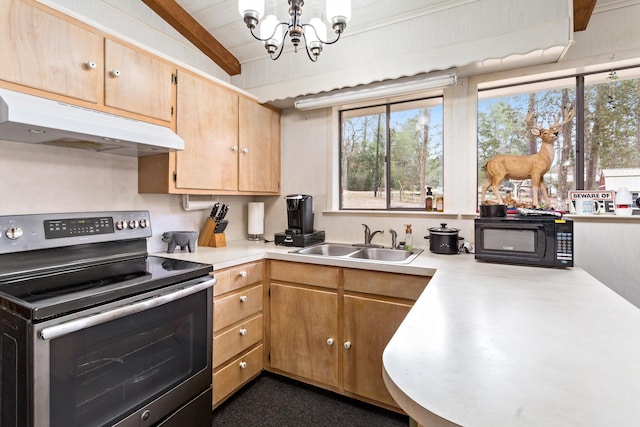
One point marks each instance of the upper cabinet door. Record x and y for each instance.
(42, 51)
(208, 122)
(259, 142)
(137, 82)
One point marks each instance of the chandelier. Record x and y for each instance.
(314, 33)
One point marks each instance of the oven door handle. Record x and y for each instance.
(106, 316)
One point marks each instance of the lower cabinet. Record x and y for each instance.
(304, 324)
(330, 325)
(238, 328)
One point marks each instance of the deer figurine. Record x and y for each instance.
(534, 166)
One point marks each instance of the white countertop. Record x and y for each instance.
(493, 345)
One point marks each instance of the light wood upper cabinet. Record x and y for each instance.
(232, 145)
(208, 122)
(43, 51)
(48, 54)
(137, 83)
(259, 142)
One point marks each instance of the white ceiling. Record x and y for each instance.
(223, 21)
(387, 39)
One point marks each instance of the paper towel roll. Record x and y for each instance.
(256, 221)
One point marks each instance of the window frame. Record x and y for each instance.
(580, 104)
(387, 159)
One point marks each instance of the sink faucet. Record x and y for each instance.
(368, 235)
(394, 238)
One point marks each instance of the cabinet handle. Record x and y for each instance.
(242, 274)
(243, 365)
(234, 148)
(243, 331)
(330, 341)
(243, 298)
(90, 65)
(245, 150)
(115, 73)
(347, 345)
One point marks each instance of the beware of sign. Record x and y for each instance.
(604, 198)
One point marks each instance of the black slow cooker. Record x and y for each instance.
(443, 240)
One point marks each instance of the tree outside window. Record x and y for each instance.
(390, 154)
(608, 146)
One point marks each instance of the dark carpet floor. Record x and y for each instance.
(272, 400)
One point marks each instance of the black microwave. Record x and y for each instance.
(544, 241)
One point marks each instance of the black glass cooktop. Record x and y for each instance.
(72, 289)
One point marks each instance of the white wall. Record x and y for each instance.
(43, 179)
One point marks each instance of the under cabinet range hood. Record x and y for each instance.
(31, 119)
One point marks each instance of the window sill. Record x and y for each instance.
(381, 213)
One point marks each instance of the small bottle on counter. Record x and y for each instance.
(428, 200)
(440, 203)
(408, 238)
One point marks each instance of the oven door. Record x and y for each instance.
(133, 362)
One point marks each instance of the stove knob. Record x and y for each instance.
(133, 224)
(13, 233)
(144, 223)
(121, 225)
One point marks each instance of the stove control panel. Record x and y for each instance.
(41, 231)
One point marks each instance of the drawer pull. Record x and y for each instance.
(90, 65)
(243, 331)
(242, 274)
(115, 73)
(243, 364)
(347, 345)
(243, 298)
(330, 341)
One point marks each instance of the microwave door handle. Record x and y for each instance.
(88, 321)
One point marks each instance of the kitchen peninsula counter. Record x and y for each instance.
(492, 344)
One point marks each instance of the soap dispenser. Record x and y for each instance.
(428, 200)
(408, 238)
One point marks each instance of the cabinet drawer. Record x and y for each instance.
(307, 274)
(241, 370)
(238, 277)
(232, 307)
(236, 340)
(382, 283)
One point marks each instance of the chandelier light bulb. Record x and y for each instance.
(339, 13)
(251, 11)
(315, 33)
(271, 33)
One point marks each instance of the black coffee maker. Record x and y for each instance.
(299, 230)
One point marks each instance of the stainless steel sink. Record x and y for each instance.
(328, 249)
(337, 250)
(388, 255)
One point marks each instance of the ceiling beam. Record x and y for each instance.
(186, 25)
(582, 10)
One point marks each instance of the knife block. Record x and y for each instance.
(209, 238)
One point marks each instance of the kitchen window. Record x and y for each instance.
(390, 153)
(603, 154)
